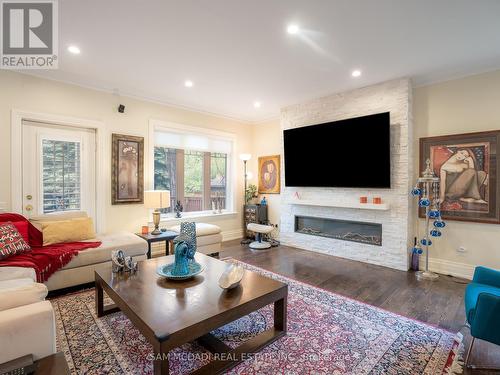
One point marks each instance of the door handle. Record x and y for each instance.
(29, 197)
(28, 207)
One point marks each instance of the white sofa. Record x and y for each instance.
(27, 324)
(81, 268)
(208, 237)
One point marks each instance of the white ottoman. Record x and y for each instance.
(260, 229)
(208, 237)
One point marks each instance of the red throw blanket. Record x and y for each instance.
(45, 260)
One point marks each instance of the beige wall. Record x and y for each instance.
(28, 93)
(266, 139)
(464, 105)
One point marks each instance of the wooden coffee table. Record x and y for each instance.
(172, 313)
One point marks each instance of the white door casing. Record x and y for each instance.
(36, 189)
(102, 157)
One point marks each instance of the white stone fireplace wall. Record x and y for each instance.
(394, 97)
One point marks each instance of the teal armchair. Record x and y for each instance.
(482, 308)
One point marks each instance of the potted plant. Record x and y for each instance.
(250, 193)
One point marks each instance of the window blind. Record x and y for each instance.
(189, 141)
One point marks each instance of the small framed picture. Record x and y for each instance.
(269, 174)
(466, 165)
(127, 168)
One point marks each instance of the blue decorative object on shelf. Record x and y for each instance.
(426, 242)
(439, 224)
(416, 192)
(263, 202)
(434, 214)
(435, 233)
(165, 270)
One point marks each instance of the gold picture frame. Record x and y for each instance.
(466, 165)
(127, 169)
(269, 174)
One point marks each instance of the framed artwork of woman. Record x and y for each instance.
(269, 174)
(127, 174)
(466, 165)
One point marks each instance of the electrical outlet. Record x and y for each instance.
(462, 249)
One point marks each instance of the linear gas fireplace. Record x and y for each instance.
(356, 231)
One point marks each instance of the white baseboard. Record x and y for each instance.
(234, 234)
(447, 267)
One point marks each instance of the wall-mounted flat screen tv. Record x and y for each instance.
(348, 153)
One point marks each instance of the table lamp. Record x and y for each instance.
(157, 199)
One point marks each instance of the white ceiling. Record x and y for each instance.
(238, 51)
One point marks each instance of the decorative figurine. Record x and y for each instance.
(188, 229)
(130, 265)
(120, 263)
(231, 277)
(184, 266)
(263, 202)
(117, 261)
(185, 248)
(427, 191)
(181, 265)
(178, 209)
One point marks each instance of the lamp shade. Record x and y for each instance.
(157, 198)
(245, 157)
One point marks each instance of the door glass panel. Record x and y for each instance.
(61, 183)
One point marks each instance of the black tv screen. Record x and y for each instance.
(346, 153)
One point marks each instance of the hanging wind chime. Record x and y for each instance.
(427, 189)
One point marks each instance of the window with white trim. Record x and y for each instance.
(195, 168)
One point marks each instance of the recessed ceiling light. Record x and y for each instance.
(292, 29)
(356, 73)
(257, 104)
(188, 83)
(74, 50)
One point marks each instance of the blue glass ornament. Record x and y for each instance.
(435, 233)
(181, 265)
(424, 202)
(416, 192)
(434, 214)
(439, 224)
(423, 241)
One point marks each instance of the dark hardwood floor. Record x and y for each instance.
(438, 303)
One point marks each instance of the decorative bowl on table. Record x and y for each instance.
(231, 277)
(165, 270)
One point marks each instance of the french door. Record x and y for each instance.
(58, 169)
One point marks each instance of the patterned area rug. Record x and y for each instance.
(327, 334)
